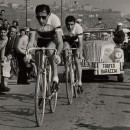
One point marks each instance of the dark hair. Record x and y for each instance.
(5, 20)
(12, 27)
(41, 8)
(14, 21)
(70, 18)
(2, 10)
(99, 18)
(22, 30)
(3, 28)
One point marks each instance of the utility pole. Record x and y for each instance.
(26, 6)
(26, 13)
(61, 10)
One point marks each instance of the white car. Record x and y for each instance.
(101, 54)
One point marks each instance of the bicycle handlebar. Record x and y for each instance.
(71, 49)
(40, 48)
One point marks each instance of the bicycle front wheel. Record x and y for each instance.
(69, 83)
(40, 98)
(52, 96)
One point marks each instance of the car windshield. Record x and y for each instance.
(98, 35)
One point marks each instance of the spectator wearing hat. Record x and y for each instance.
(119, 35)
(79, 21)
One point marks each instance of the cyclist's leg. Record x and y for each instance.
(65, 54)
(79, 71)
(54, 66)
(38, 59)
(78, 67)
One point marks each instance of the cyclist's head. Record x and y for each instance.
(70, 22)
(42, 12)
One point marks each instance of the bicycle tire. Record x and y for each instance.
(69, 84)
(53, 97)
(40, 98)
(75, 86)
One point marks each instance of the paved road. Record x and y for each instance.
(104, 105)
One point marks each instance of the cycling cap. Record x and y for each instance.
(120, 24)
(79, 20)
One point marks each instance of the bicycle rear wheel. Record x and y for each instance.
(75, 86)
(52, 96)
(69, 83)
(40, 96)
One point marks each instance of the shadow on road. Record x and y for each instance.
(19, 97)
(92, 127)
(16, 116)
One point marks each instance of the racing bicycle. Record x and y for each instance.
(43, 89)
(71, 76)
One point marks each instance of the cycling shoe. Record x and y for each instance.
(80, 89)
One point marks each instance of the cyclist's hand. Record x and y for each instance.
(28, 57)
(57, 59)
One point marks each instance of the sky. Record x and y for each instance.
(117, 5)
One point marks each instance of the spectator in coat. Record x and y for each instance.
(119, 35)
(21, 48)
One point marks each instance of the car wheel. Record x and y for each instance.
(120, 78)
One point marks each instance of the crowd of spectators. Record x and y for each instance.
(13, 44)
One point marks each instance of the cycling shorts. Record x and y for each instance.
(43, 42)
(74, 45)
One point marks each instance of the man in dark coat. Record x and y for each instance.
(119, 35)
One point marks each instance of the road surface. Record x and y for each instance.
(104, 105)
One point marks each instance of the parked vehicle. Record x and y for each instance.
(102, 55)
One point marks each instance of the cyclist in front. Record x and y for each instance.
(48, 33)
(73, 38)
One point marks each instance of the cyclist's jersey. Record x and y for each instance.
(75, 33)
(53, 24)
(47, 32)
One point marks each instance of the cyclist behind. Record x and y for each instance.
(73, 38)
(48, 33)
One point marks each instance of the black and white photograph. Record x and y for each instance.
(64, 64)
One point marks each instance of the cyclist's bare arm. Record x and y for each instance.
(32, 35)
(80, 40)
(59, 39)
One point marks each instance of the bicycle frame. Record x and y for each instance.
(42, 90)
(70, 71)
